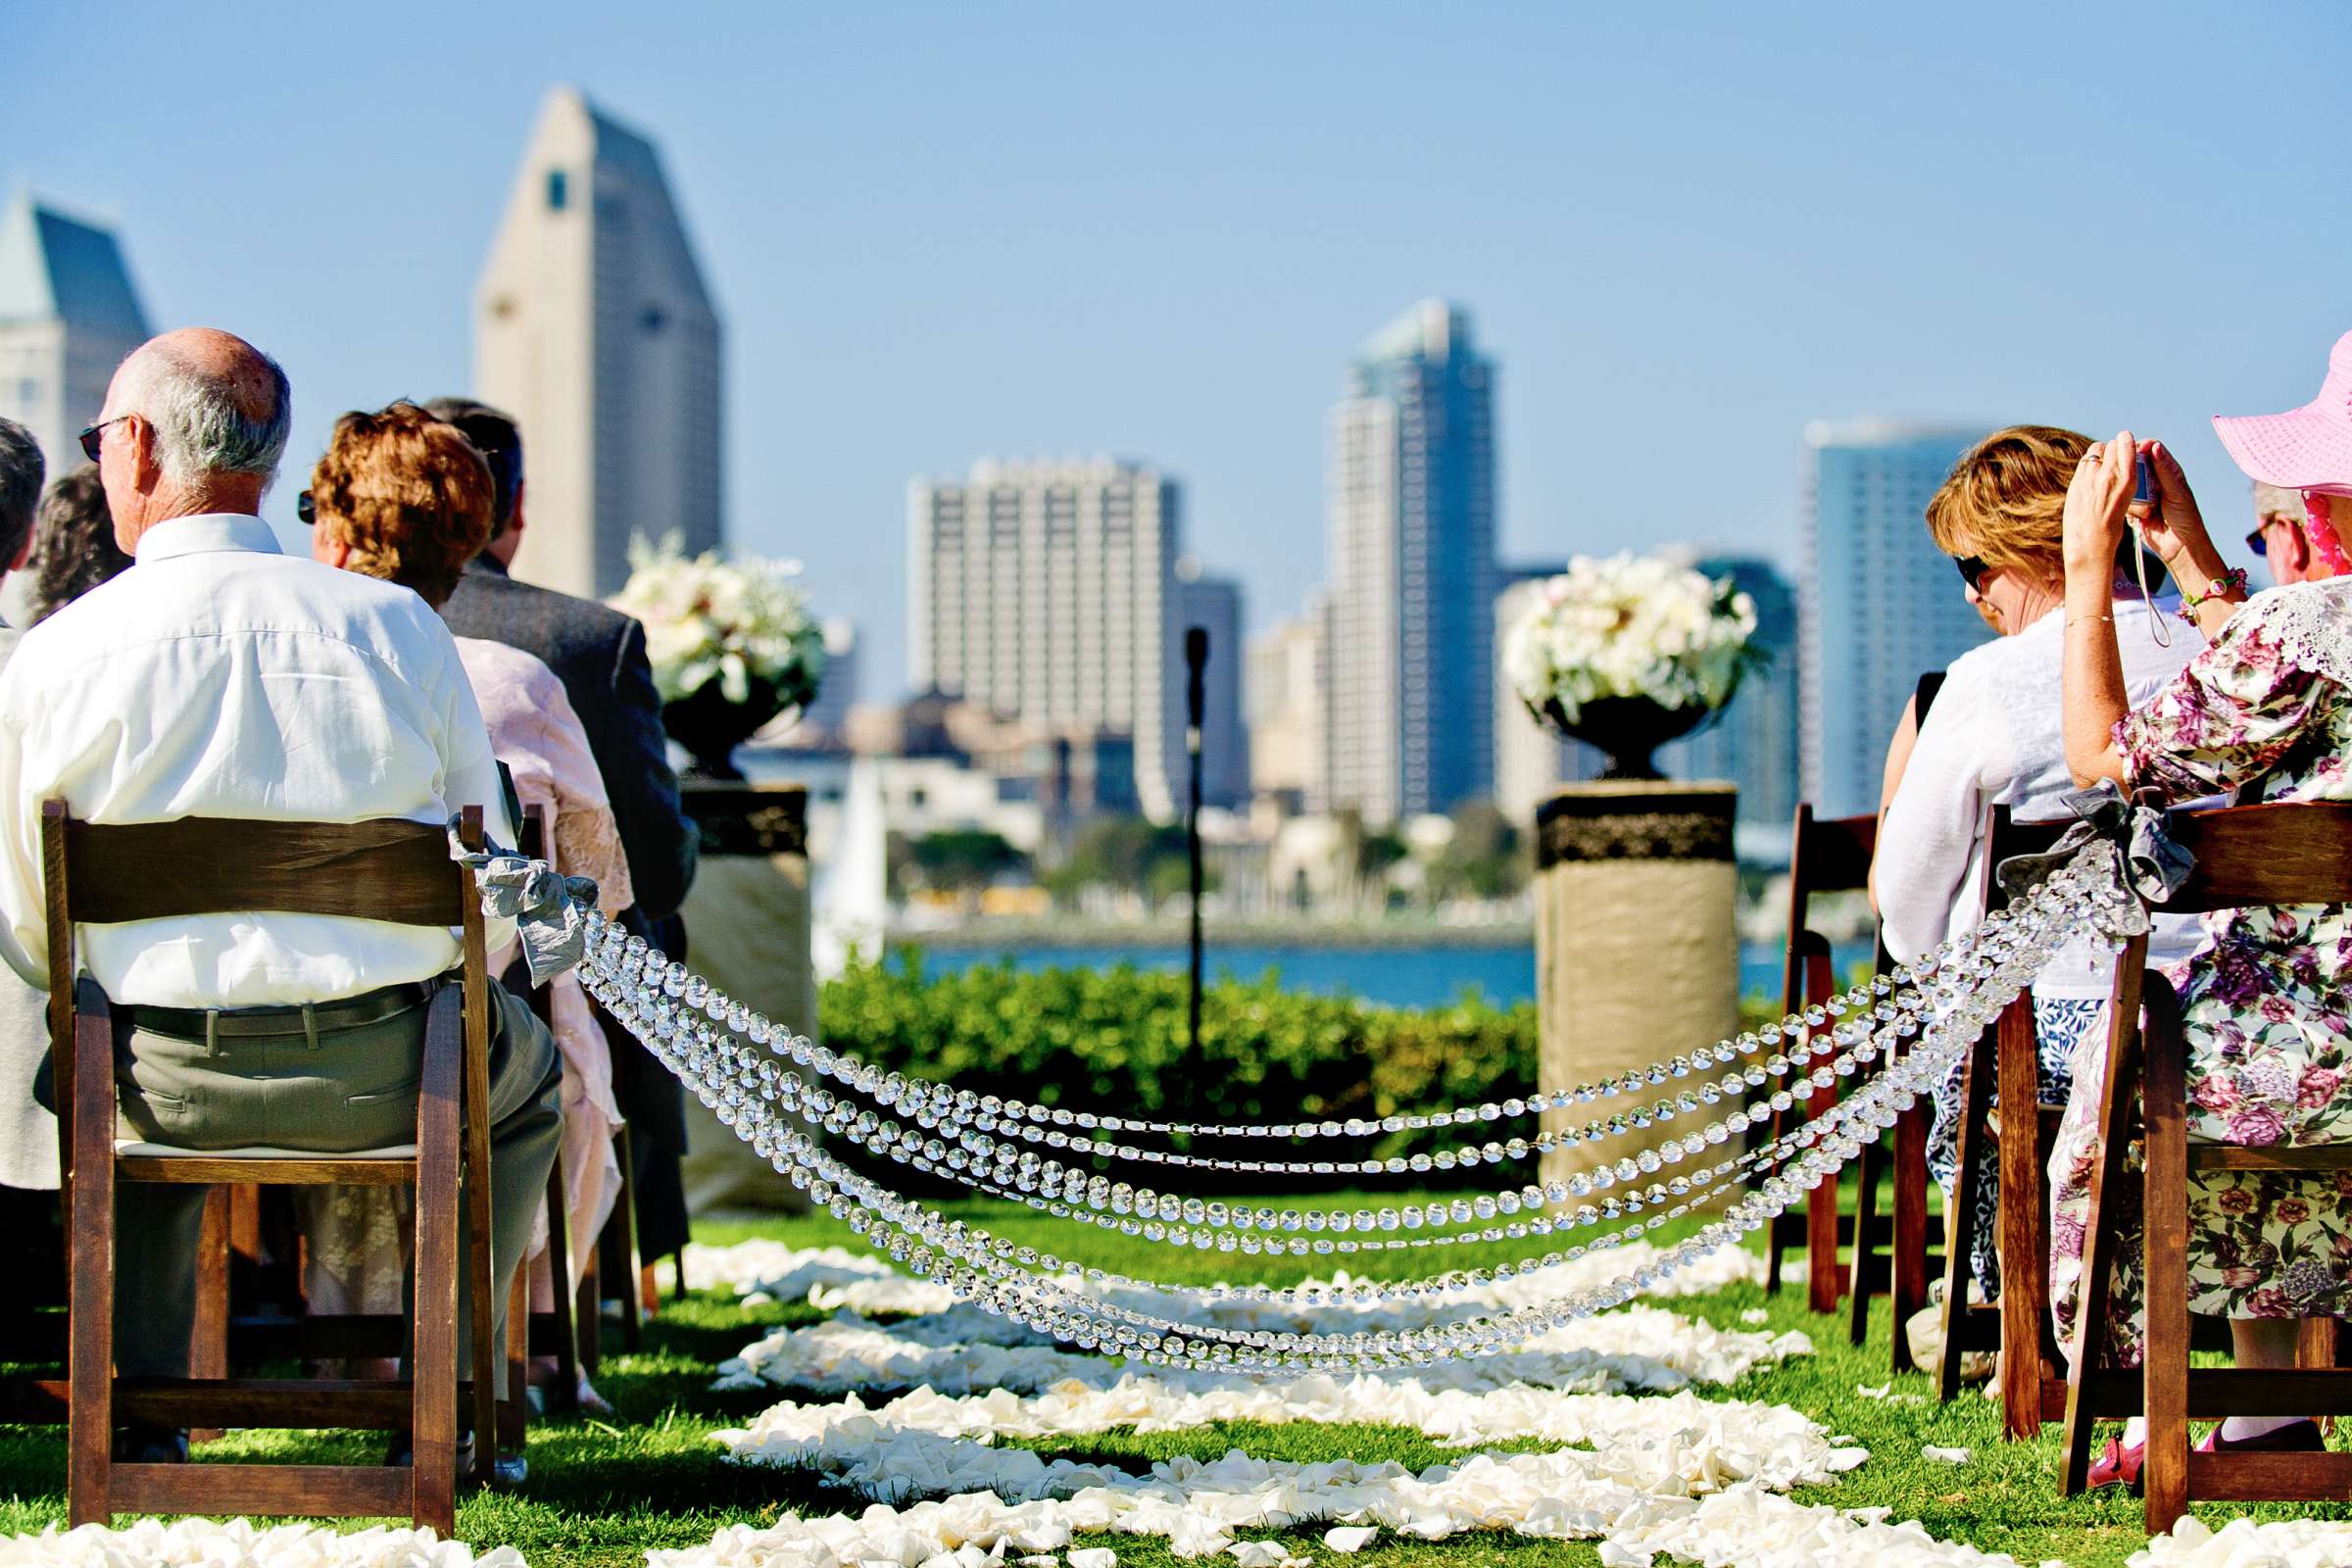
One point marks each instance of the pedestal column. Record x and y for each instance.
(746, 932)
(1637, 946)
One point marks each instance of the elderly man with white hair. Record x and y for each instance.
(221, 677)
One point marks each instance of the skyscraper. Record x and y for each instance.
(593, 327)
(1878, 604)
(1284, 695)
(1048, 591)
(67, 315)
(1215, 604)
(1410, 500)
(1753, 742)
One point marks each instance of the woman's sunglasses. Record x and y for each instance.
(1972, 571)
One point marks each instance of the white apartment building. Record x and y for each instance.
(1284, 701)
(594, 329)
(1048, 591)
(69, 315)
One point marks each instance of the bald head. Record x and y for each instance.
(196, 421)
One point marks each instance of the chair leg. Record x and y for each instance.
(90, 1356)
(1862, 1277)
(513, 1406)
(2098, 1259)
(433, 1383)
(2022, 1221)
(1976, 1106)
(2164, 1369)
(207, 1341)
(1824, 1281)
(558, 1264)
(624, 1214)
(588, 1314)
(1908, 1285)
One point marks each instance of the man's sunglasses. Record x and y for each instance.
(93, 436)
(307, 510)
(1972, 571)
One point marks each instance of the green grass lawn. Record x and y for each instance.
(603, 1493)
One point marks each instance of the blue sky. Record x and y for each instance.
(942, 231)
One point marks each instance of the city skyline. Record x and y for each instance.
(923, 260)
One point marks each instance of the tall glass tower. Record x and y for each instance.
(1879, 605)
(1410, 506)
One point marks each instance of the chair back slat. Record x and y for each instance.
(395, 871)
(1831, 853)
(2287, 851)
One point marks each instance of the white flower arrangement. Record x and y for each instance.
(1630, 626)
(735, 622)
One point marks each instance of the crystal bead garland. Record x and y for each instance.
(1097, 1192)
(1973, 980)
(633, 962)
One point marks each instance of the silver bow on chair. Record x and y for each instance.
(549, 911)
(2140, 861)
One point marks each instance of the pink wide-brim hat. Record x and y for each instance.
(2309, 448)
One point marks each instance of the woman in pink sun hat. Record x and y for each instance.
(2265, 713)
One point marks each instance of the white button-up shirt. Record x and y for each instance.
(222, 677)
(1996, 736)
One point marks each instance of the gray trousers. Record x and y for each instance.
(353, 1089)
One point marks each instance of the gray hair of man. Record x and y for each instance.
(22, 470)
(200, 425)
(2270, 501)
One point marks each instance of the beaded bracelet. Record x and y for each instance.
(2231, 581)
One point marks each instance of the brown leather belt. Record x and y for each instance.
(308, 1019)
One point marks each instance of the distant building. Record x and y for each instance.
(1215, 604)
(1753, 742)
(1047, 593)
(1410, 498)
(1284, 695)
(1530, 761)
(1878, 604)
(594, 328)
(828, 716)
(69, 315)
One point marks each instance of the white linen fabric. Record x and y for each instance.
(1995, 737)
(27, 1132)
(222, 677)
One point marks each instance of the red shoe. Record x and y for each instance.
(2300, 1436)
(2119, 1466)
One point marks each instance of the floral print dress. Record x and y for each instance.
(2267, 710)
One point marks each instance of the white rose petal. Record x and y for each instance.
(1350, 1538)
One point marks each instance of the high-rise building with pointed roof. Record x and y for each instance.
(592, 327)
(69, 313)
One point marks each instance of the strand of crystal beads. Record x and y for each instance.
(1926, 1070)
(631, 960)
(886, 1137)
(758, 1077)
(1835, 1150)
(1320, 1246)
(1070, 1321)
(1204, 1225)
(949, 1113)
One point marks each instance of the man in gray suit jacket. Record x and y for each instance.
(599, 653)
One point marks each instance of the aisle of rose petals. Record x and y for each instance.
(904, 1393)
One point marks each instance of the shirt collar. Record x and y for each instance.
(486, 561)
(207, 533)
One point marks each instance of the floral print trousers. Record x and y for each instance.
(2261, 1244)
(2059, 1023)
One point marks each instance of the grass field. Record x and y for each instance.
(604, 1492)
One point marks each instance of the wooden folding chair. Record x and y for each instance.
(2281, 853)
(388, 871)
(1832, 855)
(2033, 1387)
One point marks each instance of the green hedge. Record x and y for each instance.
(1115, 1038)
